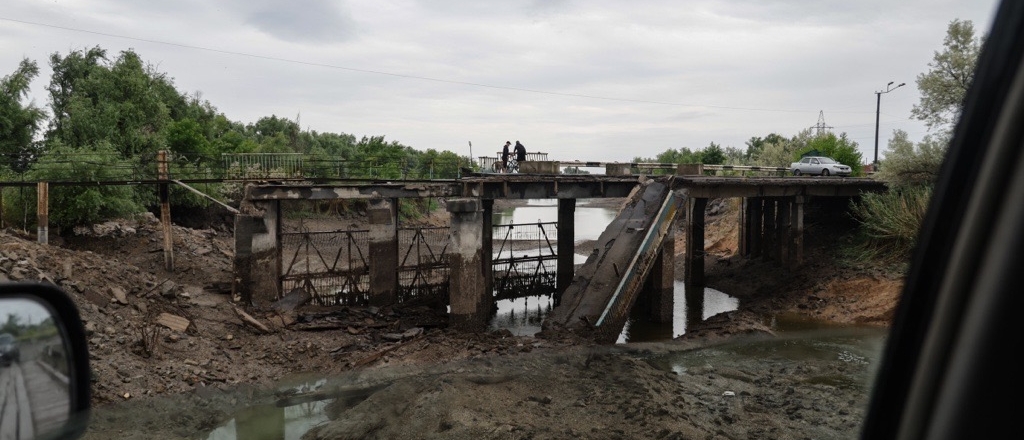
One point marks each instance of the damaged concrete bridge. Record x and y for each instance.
(634, 256)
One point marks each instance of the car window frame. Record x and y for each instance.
(943, 358)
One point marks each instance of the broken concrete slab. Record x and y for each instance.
(173, 322)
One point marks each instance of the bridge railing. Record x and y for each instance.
(671, 168)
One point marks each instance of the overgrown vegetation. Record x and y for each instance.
(109, 115)
(890, 222)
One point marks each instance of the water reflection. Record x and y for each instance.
(270, 422)
(639, 329)
(589, 221)
(523, 316)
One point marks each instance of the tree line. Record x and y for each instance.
(107, 115)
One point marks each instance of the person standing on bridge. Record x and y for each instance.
(504, 157)
(520, 152)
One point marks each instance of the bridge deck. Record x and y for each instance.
(559, 186)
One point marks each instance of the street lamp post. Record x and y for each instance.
(878, 110)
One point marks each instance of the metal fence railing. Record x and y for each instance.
(332, 266)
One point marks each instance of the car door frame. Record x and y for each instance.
(950, 352)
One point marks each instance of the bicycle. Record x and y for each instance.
(513, 166)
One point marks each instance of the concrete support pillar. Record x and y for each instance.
(487, 252)
(785, 231)
(471, 302)
(257, 256)
(798, 231)
(383, 215)
(658, 294)
(566, 246)
(770, 249)
(42, 212)
(755, 207)
(694, 257)
(743, 241)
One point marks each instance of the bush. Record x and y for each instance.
(81, 205)
(907, 165)
(890, 221)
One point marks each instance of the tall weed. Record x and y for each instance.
(890, 221)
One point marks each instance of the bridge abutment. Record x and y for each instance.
(257, 260)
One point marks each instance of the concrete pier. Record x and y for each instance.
(383, 214)
(471, 302)
(257, 259)
(566, 246)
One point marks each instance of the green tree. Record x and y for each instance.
(944, 86)
(186, 137)
(780, 151)
(124, 103)
(906, 165)
(85, 205)
(18, 122)
(840, 148)
(756, 144)
(712, 155)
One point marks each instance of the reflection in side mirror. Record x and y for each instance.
(43, 364)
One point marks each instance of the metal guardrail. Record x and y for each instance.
(745, 168)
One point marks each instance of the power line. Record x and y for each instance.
(400, 75)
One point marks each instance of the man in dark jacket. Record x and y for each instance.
(504, 158)
(520, 152)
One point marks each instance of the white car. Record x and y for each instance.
(819, 165)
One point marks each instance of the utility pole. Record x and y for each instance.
(878, 111)
(821, 128)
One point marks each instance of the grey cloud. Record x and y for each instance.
(312, 21)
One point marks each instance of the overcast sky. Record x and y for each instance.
(579, 79)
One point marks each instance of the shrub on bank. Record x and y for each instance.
(890, 222)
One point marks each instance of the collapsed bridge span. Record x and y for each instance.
(598, 301)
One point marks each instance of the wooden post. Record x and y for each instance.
(165, 208)
(43, 211)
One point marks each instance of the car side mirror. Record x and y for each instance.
(44, 364)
